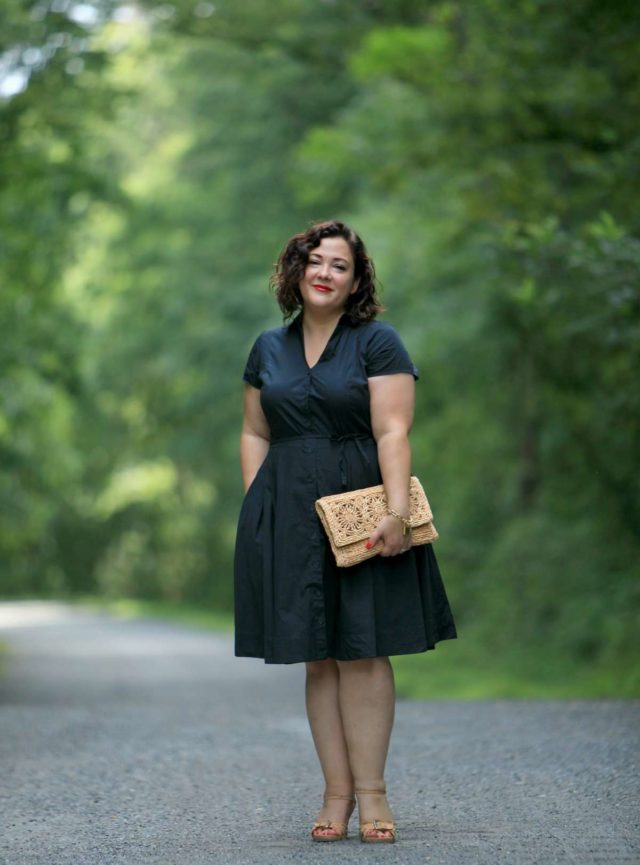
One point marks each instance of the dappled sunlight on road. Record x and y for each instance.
(18, 614)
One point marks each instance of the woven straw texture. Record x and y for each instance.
(350, 518)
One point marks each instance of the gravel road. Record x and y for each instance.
(134, 741)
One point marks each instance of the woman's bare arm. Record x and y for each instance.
(254, 436)
(392, 400)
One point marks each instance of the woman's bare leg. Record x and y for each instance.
(323, 711)
(367, 709)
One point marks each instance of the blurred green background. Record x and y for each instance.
(154, 157)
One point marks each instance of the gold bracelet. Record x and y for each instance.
(406, 525)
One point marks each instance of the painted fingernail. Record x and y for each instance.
(368, 545)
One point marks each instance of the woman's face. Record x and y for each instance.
(328, 277)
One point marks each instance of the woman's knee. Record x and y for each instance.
(364, 666)
(321, 669)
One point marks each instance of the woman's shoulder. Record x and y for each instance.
(377, 328)
(272, 334)
(383, 350)
(264, 346)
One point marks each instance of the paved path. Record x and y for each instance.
(132, 741)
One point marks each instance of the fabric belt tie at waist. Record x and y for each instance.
(358, 438)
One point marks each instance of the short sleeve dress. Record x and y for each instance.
(292, 602)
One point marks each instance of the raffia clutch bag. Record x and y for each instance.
(349, 518)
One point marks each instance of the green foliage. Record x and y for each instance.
(152, 169)
(51, 166)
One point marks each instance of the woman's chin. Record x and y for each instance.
(322, 302)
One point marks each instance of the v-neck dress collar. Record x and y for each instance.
(345, 318)
(296, 327)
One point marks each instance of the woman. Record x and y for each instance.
(328, 406)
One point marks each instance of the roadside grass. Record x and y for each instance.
(193, 615)
(462, 669)
(4, 654)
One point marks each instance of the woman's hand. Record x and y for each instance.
(389, 530)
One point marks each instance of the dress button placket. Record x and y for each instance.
(310, 447)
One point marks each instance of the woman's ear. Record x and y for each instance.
(356, 283)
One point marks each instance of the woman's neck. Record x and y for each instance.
(314, 323)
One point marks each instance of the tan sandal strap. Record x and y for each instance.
(338, 796)
(378, 824)
(382, 792)
(383, 825)
(329, 824)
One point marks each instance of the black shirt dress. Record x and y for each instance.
(292, 602)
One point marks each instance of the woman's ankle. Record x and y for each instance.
(339, 792)
(371, 786)
(372, 802)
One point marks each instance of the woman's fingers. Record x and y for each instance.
(392, 548)
(389, 531)
(373, 538)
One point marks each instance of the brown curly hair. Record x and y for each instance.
(362, 305)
